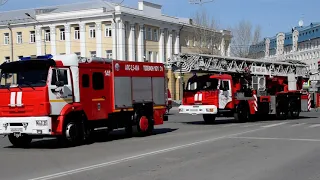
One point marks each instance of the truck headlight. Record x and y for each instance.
(41, 122)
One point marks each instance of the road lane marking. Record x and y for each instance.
(273, 125)
(266, 138)
(229, 125)
(139, 156)
(299, 124)
(250, 125)
(313, 126)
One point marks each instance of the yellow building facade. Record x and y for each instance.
(103, 30)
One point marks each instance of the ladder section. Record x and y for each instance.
(185, 63)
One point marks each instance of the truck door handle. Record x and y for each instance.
(103, 97)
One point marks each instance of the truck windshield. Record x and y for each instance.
(24, 74)
(196, 84)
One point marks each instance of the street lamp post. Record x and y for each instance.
(11, 41)
(44, 42)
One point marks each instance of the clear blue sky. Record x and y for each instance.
(272, 15)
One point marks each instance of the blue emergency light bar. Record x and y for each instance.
(44, 57)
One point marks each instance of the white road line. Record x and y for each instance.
(313, 126)
(273, 125)
(249, 125)
(229, 125)
(139, 156)
(287, 139)
(299, 124)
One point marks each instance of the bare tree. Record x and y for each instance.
(205, 35)
(243, 37)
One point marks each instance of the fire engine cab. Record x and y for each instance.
(68, 97)
(240, 87)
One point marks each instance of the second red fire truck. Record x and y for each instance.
(241, 87)
(69, 97)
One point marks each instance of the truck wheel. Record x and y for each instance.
(145, 125)
(21, 142)
(242, 113)
(293, 111)
(73, 134)
(209, 118)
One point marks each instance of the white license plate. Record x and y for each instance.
(16, 130)
(194, 110)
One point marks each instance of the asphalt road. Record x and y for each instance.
(183, 148)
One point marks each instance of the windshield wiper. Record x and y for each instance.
(28, 83)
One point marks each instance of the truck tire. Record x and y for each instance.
(209, 118)
(293, 110)
(242, 113)
(20, 142)
(73, 134)
(145, 125)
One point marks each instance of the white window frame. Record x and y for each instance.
(19, 37)
(109, 54)
(92, 31)
(155, 34)
(7, 59)
(62, 34)
(149, 33)
(93, 53)
(76, 33)
(47, 35)
(6, 39)
(108, 31)
(32, 37)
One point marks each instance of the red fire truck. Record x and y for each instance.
(241, 87)
(69, 97)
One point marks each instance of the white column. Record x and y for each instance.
(53, 40)
(223, 45)
(98, 39)
(177, 44)
(68, 38)
(169, 44)
(161, 57)
(114, 41)
(83, 39)
(39, 40)
(121, 41)
(229, 50)
(131, 43)
(141, 43)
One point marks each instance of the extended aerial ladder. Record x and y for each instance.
(185, 63)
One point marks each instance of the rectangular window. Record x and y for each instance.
(76, 33)
(97, 80)
(93, 53)
(92, 32)
(19, 37)
(7, 59)
(108, 31)
(62, 34)
(32, 37)
(47, 35)
(62, 76)
(85, 81)
(156, 57)
(155, 34)
(6, 38)
(109, 54)
(149, 34)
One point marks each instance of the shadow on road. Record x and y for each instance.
(99, 137)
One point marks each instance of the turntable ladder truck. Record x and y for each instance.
(241, 87)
